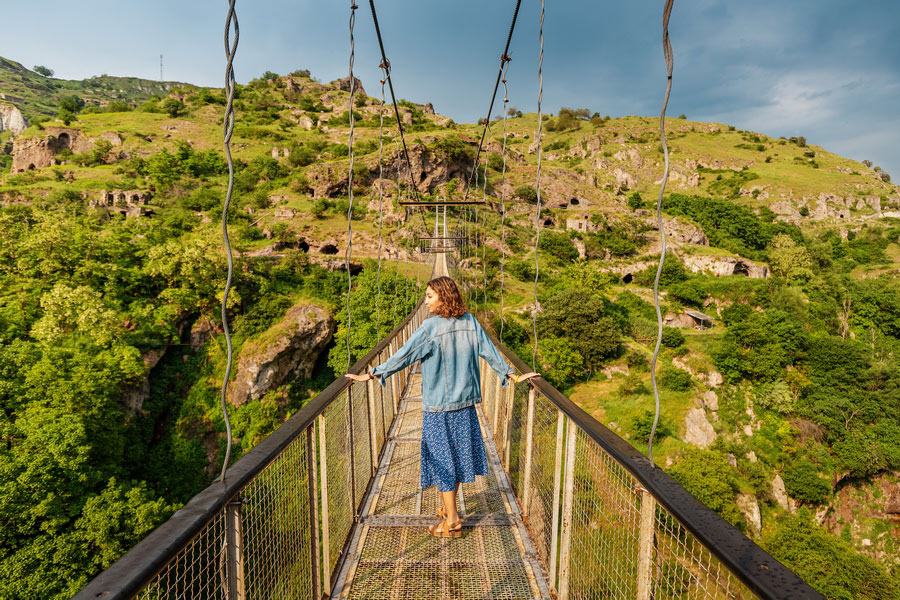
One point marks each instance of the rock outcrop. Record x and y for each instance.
(40, 152)
(11, 119)
(725, 265)
(698, 430)
(291, 349)
(749, 507)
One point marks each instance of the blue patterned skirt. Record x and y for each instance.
(452, 448)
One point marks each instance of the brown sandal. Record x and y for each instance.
(442, 530)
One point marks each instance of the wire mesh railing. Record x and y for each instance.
(277, 526)
(607, 523)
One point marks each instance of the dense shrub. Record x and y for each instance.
(674, 379)
(559, 245)
(802, 482)
(672, 337)
(579, 317)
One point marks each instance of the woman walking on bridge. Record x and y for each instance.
(448, 345)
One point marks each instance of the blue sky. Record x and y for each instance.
(825, 69)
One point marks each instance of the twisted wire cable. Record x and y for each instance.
(667, 53)
(380, 208)
(228, 126)
(503, 206)
(349, 253)
(537, 187)
(504, 58)
(483, 238)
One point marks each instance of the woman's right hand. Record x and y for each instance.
(525, 377)
(361, 377)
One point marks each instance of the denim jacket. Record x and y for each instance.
(449, 349)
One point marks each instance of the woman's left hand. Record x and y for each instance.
(525, 377)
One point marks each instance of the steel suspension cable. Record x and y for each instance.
(483, 238)
(504, 58)
(537, 188)
(667, 53)
(380, 209)
(503, 207)
(349, 252)
(390, 81)
(228, 126)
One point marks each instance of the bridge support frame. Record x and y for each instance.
(529, 449)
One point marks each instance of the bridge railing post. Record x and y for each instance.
(373, 434)
(529, 449)
(234, 551)
(645, 545)
(326, 541)
(568, 504)
(313, 491)
(557, 497)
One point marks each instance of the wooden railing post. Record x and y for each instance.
(373, 438)
(557, 496)
(645, 545)
(568, 501)
(353, 508)
(509, 393)
(234, 551)
(313, 510)
(529, 449)
(326, 546)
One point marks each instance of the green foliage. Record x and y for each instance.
(708, 476)
(579, 317)
(165, 168)
(728, 225)
(789, 260)
(522, 270)
(558, 245)
(495, 161)
(672, 337)
(642, 424)
(674, 379)
(826, 562)
(761, 346)
(635, 201)
(775, 396)
(372, 316)
(66, 116)
(526, 193)
(43, 70)
(173, 107)
(673, 271)
(802, 482)
(72, 104)
(560, 362)
(452, 148)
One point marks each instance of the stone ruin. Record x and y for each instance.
(130, 203)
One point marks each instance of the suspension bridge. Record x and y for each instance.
(329, 505)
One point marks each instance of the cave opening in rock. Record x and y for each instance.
(328, 249)
(627, 278)
(548, 223)
(741, 268)
(303, 245)
(31, 167)
(574, 202)
(64, 140)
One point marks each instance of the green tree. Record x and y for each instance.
(802, 481)
(789, 260)
(579, 317)
(66, 116)
(708, 476)
(72, 103)
(173, 107)
(560, 362)
(42, 70)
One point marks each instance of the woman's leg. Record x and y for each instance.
(449, 499)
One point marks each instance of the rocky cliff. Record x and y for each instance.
(11, 119)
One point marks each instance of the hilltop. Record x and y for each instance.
(36, 95)
(780, 415)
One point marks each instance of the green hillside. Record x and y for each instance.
(110, 256)
(36, 95)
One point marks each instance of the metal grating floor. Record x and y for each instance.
(393, 557)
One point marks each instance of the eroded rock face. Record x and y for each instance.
(698, 430)
(291, 349)
(780, 493)
(11, 119)
(725, 265)
(749, 507)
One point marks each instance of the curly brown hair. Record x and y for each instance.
(452, 304)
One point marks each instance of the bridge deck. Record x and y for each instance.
(393, 557)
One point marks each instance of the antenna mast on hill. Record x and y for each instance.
(160, 68)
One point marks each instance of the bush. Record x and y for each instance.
(495, 161)
(527, 193)
(673, 271)
(672, 337)
(802, 482)
(580, 317)
(642, 424)
(42, 70)
(558, 245)
(707, 475)
(72, 104)
(635, 201)
(560, 362)
(520, 269)
(173, 107)
(675, 380)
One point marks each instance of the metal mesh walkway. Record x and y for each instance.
(392, 556)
